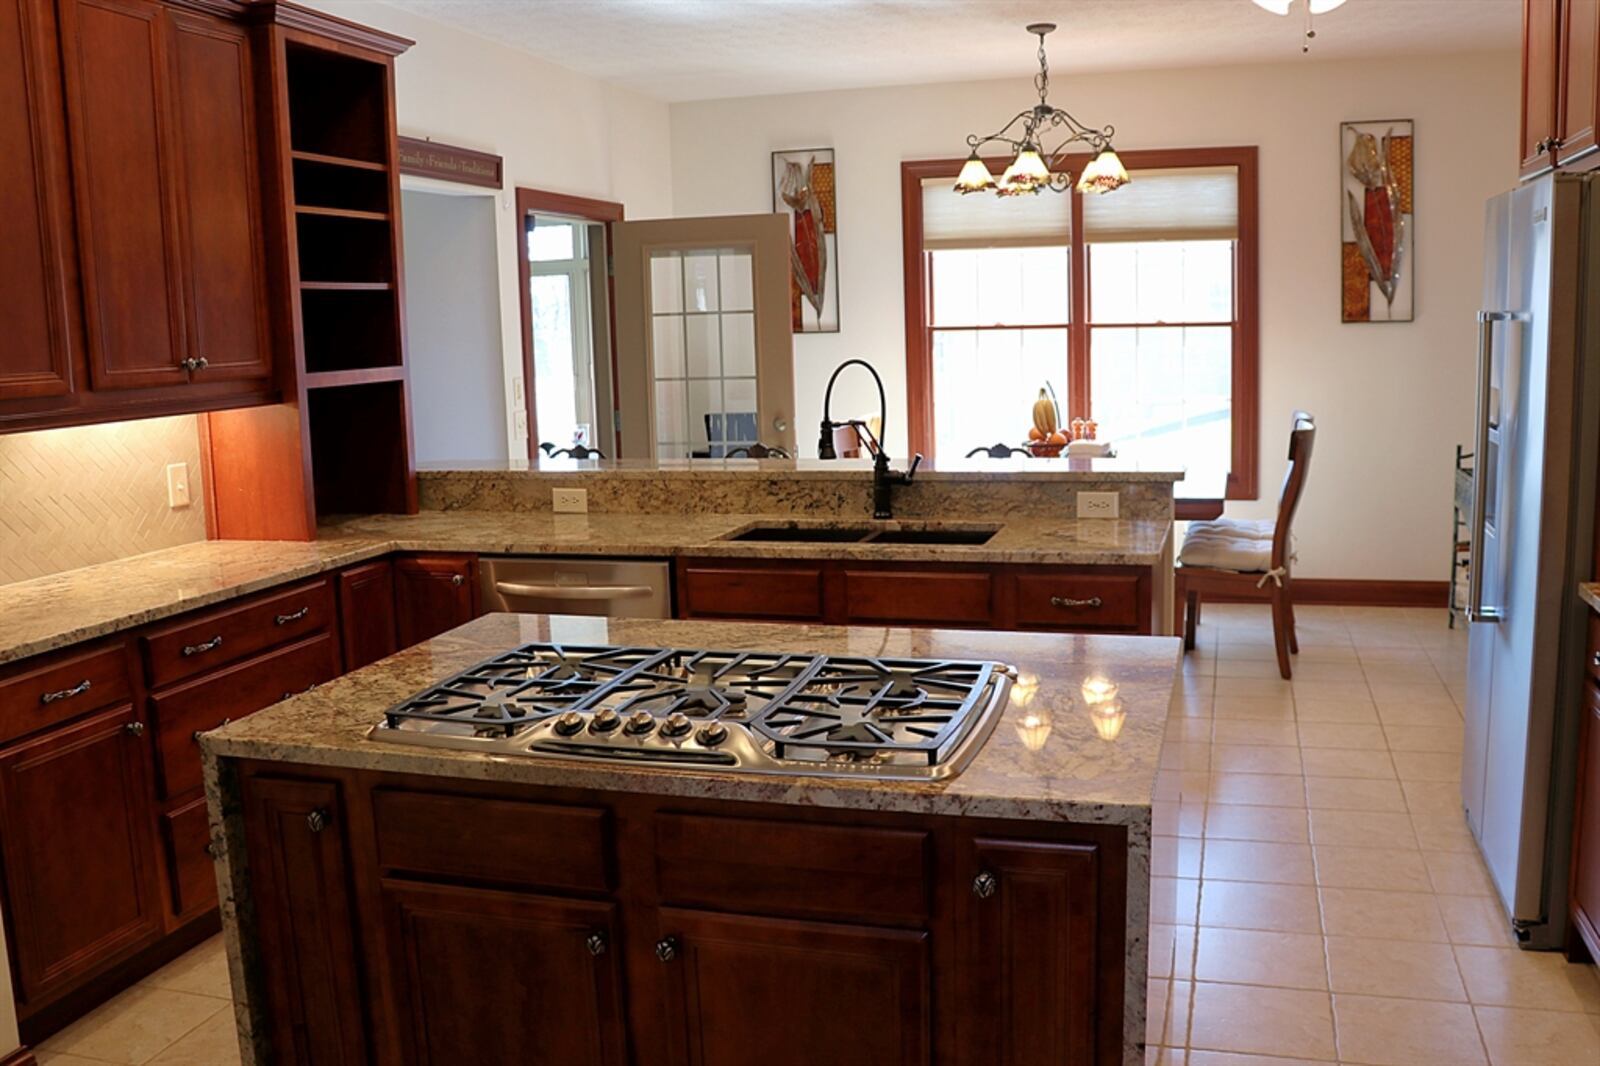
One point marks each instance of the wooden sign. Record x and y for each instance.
(446, 162)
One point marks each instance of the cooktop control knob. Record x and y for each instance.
(639, 723)
(676, 725)
(605, 720)
(712, 734)
(569, 723)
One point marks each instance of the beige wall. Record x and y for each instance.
(75, 497)
(1392, 400)
(556, 129)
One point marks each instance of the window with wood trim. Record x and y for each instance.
(1138, 308)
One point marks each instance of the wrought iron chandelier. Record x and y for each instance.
(1031, 170)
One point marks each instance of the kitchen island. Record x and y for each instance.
(391, 902)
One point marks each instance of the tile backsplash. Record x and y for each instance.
(90, 494)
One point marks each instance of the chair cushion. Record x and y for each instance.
(1238, 544)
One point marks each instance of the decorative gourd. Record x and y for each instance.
(1044, 414)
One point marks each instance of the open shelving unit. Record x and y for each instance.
(343, 193)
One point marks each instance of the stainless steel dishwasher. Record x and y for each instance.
(544, 585)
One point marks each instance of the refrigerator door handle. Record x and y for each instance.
(1476, 610)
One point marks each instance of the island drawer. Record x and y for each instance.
(715, 591)
(798, 869)
(918, 597)
(182, 713)
(202, 642)
(186, 833)
(1100, 602)
(41, 694)
(539, 845)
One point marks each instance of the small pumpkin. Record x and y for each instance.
(1034, 433)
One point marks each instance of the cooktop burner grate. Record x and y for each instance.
(771, 712)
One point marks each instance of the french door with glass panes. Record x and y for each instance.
(705, 361)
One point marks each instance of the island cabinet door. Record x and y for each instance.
(300, 881)
(504, 977)
(80, 864)
(742, 990)
(433, 593)
(1028, 954)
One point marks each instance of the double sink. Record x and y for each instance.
(901, 533)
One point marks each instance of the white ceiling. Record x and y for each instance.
(701, 49)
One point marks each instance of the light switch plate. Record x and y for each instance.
(177, 485)
(1097, 504)
(569, 501)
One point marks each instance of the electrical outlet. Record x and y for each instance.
(1097, 504)
(177, 485)
(569, 501)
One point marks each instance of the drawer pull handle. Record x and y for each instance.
(195, 736)
(667, 948)
(134, 729)
(1595, 662)
(204, 646)
(292, 616)
(596, 943)
(67, 693)
(985, 885)
(317, 820)
(1068, 601)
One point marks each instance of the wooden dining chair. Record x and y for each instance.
(1223, 557)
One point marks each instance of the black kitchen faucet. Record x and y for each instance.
(883, 479)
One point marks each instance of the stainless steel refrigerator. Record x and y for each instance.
(1538, 429)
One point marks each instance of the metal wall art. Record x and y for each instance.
(1376, 204)
(803, 187)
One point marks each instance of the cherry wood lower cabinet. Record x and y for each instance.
(1090, 599)
(448, 921)
(366, 613)
(433, 593)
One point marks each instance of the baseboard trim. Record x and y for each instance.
(1352, 592)
(20, 1057)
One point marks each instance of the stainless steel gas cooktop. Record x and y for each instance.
(752, 712)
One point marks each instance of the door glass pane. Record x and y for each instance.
(1165, 396)
(703, 352)
(550, 241)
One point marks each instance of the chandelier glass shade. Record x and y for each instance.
(1033, 170)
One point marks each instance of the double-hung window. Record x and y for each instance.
(1137, 308)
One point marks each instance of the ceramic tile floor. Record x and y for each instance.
(1332, 907)
(181, 1015)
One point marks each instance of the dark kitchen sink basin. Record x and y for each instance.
(864, 535)
(934, 536)
(804, 535)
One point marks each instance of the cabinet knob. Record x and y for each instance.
(317, 820)
(667, 948)
(457, 579)
(596, 943)
(214, 848)
(985, 885)
(134, 729)
(192, 364)
(1595, 659)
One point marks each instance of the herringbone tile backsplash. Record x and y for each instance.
(90, 494)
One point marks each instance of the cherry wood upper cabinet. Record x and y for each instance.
(38, 314)
(1580, 82)
(224, 278)
(167, 182)
(117, 112)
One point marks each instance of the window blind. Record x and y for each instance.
(1180, 204)
(984, 220)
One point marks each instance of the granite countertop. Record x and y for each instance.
(63, 609)
(1069, 773)
(1589, 592)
